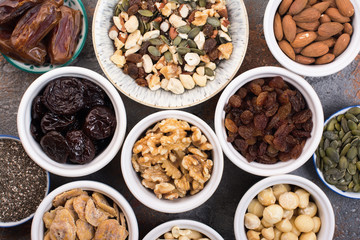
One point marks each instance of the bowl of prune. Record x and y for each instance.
(71, 121)
(269, 121)
(39, 35)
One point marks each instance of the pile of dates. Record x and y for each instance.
(73, 120)
(268, 120)
(39, 31)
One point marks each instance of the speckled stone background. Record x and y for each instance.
(335, 92)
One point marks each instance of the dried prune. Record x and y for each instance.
(54, 122)
(35, 130)
(38, 109)
(93, 94)
(35, 25)
(82, 149)
(64, 96)
(10, 9)
(100, 123)
(63, 38)
(55, 146)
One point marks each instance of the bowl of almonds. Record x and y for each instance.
(172, 161)
(313, 37)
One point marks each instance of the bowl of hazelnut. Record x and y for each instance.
(284, 207)
(71, 121)
(172, 161)
(269, 121)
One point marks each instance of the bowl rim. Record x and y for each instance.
(342, 61)
(76, 54)
(183, 223)
(87, 185)
(351, 195)
(321, 200)
(146, 196)
(17, 223)
(165, 107)
(311, 98)
(33, 148)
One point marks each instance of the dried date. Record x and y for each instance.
(10, 9)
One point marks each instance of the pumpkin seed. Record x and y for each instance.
(213, 21)
(125, 5)
(191, 43)
(355, 132)
(331, 125)
(346, 136)
(354, 111)
(341, 133)
(156, 41)
(343, 163)
(145, 13)
(335, 174)
(337, 126)
(183, 29)
(183, 43)
(348, 177)
(351, 185)
(168, 56)
(154, 51)
(351, 168)
(330, 180)
(327, 161)
(180, 60)
(198, 51)
(202, 3)
(355, 178)
(209, 72)
(326, 143)
(330, 135)
(156, 25)
(182, 50)
(335, 144)
(343, 182)
(177, 41)
(356, 188)
(322, 152)
(338, 118)
(193, 33)
(350, 116)
(342, 188)
(345, 149)
(344, 125)
(118, 10)
(352, 125)
(358, 165)
(193, 4)
(141, 26)
(332, 154)
(165, 40)
(351, 154)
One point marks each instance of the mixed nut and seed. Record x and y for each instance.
(78, 214)
(338, 154)
(173, 45)
(282, 212)
(173, 159)
(313, 31)
(268, 120)
(183, 234)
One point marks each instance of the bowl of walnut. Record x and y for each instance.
(284, 207)
(269, 121)
(172, 161)
(172, 54)
(183, 229)
(84, 210)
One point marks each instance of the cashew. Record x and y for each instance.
(176, 21)
(192, 59)
(117, 23)
(154, 82)
(147, 63)
(183, 10)
(164, 26)
(164, 83)
(175, 86)
(199, 80)
(132, 39)
(211, 65)
(189, 68)
(200, 71)
(200, 40)
(118, 58)
(132, 24)
(166, 10)
(187, 81)
(118, 44)
(151, 34)
(132, 50)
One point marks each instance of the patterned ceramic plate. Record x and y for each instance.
(227, 69)
(74, 4)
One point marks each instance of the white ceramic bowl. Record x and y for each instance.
(14, 224)
(312, 101)
(319, 172)
(183, 224)
(337, 65)
(146, 196)
(325, 210)
(74, 4)
(37, 227)
(104, 49)
(34, 149)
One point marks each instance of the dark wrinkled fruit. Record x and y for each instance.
(54, 122)
(133, 70)
(35, 130)
(100, 123)
(82, 150)
(10, 9)
(93, 94)
(55, 146)
(38, 109)
(64, 96)
(209, 45)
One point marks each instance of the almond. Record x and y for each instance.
(304, 60)
(321, 38)
(341, 44)
(298, 50)
(329, 42)
(299, 30)
(312, 2)
(321, 6)
(327, 58)
(278, 30)
(297, 6)
(310, 26)
(287, 49)
(303, 39)
(332, 2)
(308, 15)
(345, 7)
(336, 16)
(284, 6)
(324, 18)
(330, 29)
(289, 28)
(316, 49)
(348, 28)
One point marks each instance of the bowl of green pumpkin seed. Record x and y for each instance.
(337, 158)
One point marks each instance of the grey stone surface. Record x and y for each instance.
(335, 92)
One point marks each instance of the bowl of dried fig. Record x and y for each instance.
(269, 121)
(172, 161)
(312, 37)
(84, 210)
